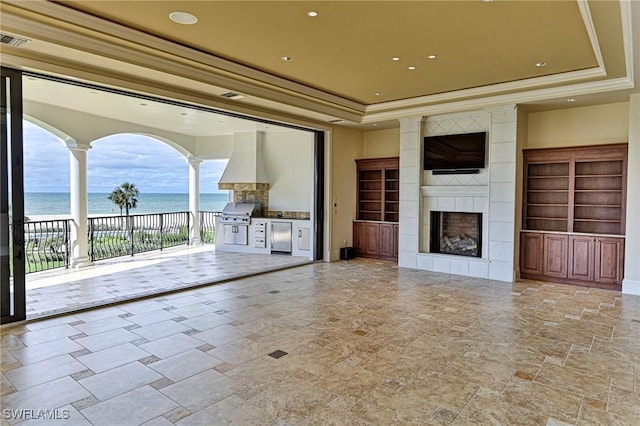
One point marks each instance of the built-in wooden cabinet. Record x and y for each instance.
(376, 239)
(574, 259)
(375, 233)
(575, 189)
(531, 255)
(576, 197)
(554, 261)
(378, 189)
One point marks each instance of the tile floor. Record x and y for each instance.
(365, 343)
(64, 290)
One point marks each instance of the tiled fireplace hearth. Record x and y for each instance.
(489, 195)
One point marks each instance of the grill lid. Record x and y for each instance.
(241, 209)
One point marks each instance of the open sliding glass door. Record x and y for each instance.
(12, 284)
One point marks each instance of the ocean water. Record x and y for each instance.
(57, 203)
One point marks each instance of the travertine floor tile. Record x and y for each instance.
(366, 343)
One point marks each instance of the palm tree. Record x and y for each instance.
(125, 196)
(117, 198)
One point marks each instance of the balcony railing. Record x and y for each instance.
(46, 245)
(208, 226)
(48, 242)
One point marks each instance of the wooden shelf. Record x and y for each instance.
(575, 189)
(378, 188)
(380, 179)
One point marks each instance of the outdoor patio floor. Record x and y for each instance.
(124, 278)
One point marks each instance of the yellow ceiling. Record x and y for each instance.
(342, 68)
(347, 49)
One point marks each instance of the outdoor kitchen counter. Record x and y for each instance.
(300, 230)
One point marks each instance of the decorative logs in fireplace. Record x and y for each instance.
(456, 233)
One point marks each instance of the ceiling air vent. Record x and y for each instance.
(12, 40)
(336, 121)
(232, 95)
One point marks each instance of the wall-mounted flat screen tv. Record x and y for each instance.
(455, 152)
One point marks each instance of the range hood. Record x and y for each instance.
(245, 169)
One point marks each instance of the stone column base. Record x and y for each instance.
(80, 262)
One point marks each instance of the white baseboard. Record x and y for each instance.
(631, 286)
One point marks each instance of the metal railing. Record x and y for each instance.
(48, 243)
(113, 236)
(208, 226)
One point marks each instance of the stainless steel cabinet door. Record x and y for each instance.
(281, 236)
(235, 234)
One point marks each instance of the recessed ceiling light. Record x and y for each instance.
(432, 56)
(412, 67)
(312, 13)
(571, 100)
(184, 18)
(183, 113)
(287, 58)
(379, 93)
(541, 64)
(395, 58)
(143, 104)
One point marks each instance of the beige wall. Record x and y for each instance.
(346, 146)
(591, 125)
(381, 143)
(631, 283)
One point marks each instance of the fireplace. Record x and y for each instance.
(456, 233)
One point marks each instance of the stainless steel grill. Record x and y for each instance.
(240, 213)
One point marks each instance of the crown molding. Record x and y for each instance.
(484, 91)
(506, 99)
(585, 12)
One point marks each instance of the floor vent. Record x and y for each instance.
(273, 292)
(277, 354)
(12, 40)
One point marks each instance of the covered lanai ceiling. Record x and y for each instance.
(360, 61)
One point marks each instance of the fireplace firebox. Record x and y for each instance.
(456, 233)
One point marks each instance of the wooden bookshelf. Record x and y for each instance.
(375, 232)
(378, 189)
(574, 208)
(579, 190)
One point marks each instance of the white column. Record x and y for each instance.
(411, 132)
(194, 201)
(78, 203)
(631, 281)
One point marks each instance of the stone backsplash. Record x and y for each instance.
(287, 215)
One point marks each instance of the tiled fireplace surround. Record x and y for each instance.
(492, 192)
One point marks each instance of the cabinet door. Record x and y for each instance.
(359, 238)
(581, 258)
(372, 239)
(555, 255)
(396, 241)
(388, 243)
(609, 259)
(531, 253)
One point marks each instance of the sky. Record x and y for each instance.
(153, 166)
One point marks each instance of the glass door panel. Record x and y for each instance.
(12, 280)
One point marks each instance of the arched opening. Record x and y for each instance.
(159, 171)
(46, 172)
